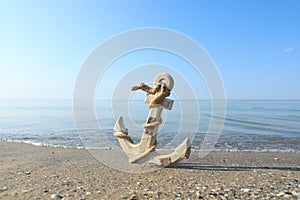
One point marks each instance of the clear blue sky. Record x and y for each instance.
(255, 44)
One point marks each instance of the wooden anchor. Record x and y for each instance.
(156, 98)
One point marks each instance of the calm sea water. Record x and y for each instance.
(249, 125)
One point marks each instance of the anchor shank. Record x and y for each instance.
(150, 132)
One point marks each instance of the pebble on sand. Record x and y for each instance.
(56, 196)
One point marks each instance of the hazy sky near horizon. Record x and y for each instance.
(254, 44)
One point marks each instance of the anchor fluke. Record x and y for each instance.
(120, 131)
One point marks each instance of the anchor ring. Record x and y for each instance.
(169, 81)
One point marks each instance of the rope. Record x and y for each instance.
(123, 135)
(151, 124)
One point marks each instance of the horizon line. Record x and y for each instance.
(109, 99)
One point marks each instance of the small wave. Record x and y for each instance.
(247, 122)
(42, 144)
(193, 149)
(250, 150)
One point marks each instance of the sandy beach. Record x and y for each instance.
(34, 172)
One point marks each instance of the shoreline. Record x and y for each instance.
(109, 148)
(40, 172)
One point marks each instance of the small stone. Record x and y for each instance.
(3, 188)
(56, 196)
(288, 193)
(296, 194)
(82, 197)
(27, 172)
(199, 195)
(245, 190)
(226, 190)
(88, 193)
(280, 194)
(133, 197)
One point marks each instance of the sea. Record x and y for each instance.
(249, 125)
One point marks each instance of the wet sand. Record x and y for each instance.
(33, 172)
